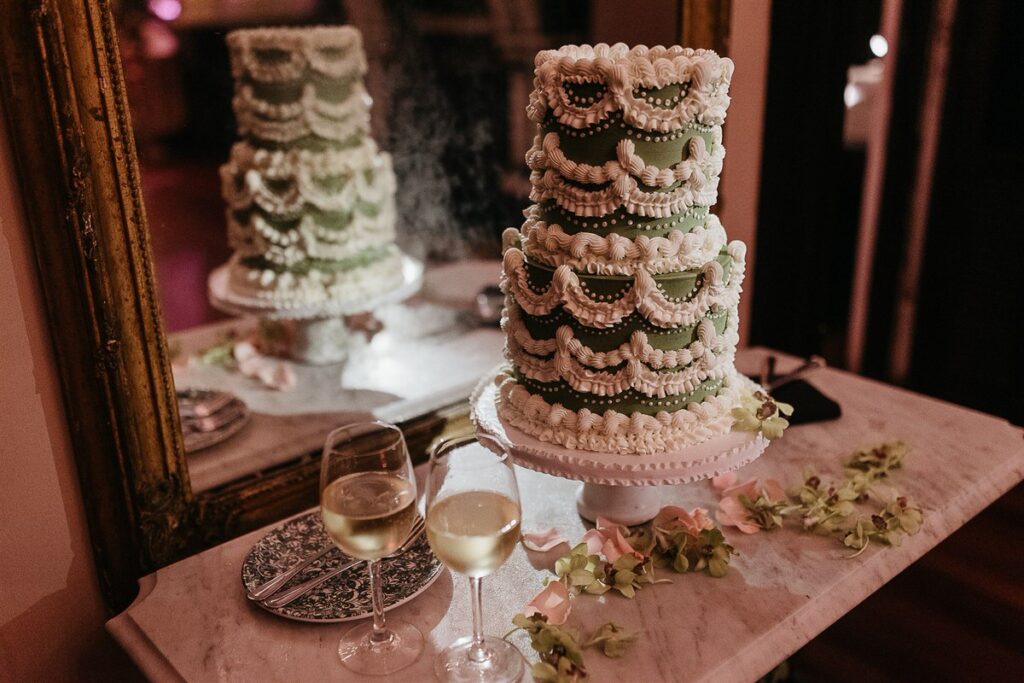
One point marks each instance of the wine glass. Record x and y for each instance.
(368, 505)
(473, 518)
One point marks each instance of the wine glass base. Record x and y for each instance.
(360, 654)
(504, 664)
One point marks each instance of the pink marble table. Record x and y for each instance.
(192, 622)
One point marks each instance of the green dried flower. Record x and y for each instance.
(220, 354)
(822, 509)
(759, 412)
(613, 639)
(875, 463)
(561, 657)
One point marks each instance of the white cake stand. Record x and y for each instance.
(321, 337)
(618, 487)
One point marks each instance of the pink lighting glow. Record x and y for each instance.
(168, 10)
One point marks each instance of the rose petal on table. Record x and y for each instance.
(731, 512)
(243, 351)
(278, 375)
(724, 481)
(543, 541)
(552, 602)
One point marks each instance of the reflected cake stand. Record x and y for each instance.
(321, 336)
(622, 488)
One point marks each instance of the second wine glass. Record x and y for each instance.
(473, 519)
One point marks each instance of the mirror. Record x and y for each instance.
(449, 82)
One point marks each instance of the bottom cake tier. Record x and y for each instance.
(708, 413)
(333, 281)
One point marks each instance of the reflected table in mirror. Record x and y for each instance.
(782, 589)
(430, 353)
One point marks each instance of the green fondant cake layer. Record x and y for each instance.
(679, 285)
(629, 401)
(360, 260)
(621, 222)
(597, 144)
(311, 142)
(332, 220)
(333, 90)
(666, 339)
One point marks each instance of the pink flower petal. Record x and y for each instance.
(543, 541)
(243, 351)
(278, 375)
(724, 481)
(773, 491)
(703, 521)
(552, 602)
(594, 540)
(251, 366)
(749, 489)
(731, 512)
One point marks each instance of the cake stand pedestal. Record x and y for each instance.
(622, 488)
(321, 336)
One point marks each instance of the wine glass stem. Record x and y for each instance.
(380, 631)
(477, 651)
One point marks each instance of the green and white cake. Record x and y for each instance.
(310, 198)
(621, 288)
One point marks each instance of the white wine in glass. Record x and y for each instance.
(473, 519)
(368, 506)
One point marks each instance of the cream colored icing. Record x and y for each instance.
(334, 51)
(288, 290)
(625, 192)
(308, 239)
(283, 123)
(565, 289)
(575, 364)
(622, 70)
(615, 432)
(283, 163)
(301, 188)
(697, 169)
(615, 254)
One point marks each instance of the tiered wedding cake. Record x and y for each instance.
(622, 292)
(310, 198)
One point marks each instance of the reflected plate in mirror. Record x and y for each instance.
(209, 417)
(345, 597)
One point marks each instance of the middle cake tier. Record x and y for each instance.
(645, 343)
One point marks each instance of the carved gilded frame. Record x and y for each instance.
(67, 112)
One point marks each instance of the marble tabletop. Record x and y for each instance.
(192, 622)
(430, 354)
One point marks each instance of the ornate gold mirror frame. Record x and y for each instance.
(67, 112)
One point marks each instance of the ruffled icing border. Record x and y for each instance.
(565, 289)
(615, 254)
(300, 184)
(290, 121)
(570, 360)
(286, 163)
(310, 48)
(624, 69)
(612, 431)
(697, 169)
(581, 367)
(310, 240)
(290, 290)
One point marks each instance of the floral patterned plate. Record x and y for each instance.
(345, 597)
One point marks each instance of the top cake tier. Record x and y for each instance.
(625, 78)
(300, 88)
(629, 139)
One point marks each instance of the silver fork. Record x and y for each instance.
(268, 588)
(283, 598)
